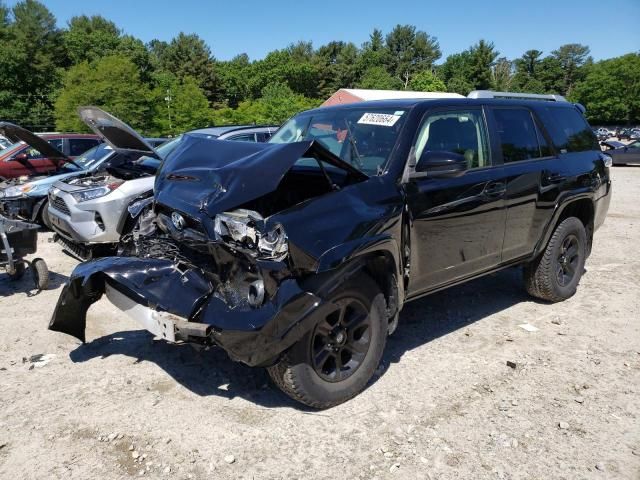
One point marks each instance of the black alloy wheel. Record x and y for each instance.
(336, 359)
(341, 341)
(568, 260)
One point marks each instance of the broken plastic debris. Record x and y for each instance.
(40, 360)
(528, 327)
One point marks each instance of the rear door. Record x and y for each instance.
(533, 178)
(457, 223)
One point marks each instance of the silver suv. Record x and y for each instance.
(93, 214)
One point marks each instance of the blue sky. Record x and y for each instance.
(610, 28)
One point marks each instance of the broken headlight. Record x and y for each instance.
(245, 230)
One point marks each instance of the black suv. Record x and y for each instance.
(299, 254)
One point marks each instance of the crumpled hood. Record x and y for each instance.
(213, 176)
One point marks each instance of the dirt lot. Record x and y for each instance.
(444, 405)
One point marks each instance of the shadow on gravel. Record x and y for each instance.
(25, 284)
(438, 314)
(211, 372)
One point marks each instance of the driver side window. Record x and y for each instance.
(461, 131)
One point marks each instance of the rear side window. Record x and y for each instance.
(518, 134)
(246, 137)
(77, 146)
(569, 131)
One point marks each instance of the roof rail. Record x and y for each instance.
(513, 95)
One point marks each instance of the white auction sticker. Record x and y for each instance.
(382, 119)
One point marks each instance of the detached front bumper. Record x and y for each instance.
(180, 306)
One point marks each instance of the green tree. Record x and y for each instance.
(502, 75)
(234, 79)
(112, 83)
(179, 106)
(373, 53)
(338, 66)
(90, 38)
(31, 54)
(528, 70)
(611, 90)
(410, 51)
(551, 75)
(427, 82)
(188, 56)
(293, 66)
(572, 57)
(482, 57)
(456, 72)
(378, 78)
(278, 103)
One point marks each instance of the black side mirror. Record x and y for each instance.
(441, 164)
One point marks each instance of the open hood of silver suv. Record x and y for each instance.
(116, 133)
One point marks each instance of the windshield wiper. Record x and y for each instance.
(354, 148)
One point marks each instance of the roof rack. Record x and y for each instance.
(519, 96)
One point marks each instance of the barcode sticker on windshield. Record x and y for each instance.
(382, 119)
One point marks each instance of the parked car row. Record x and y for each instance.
(90, 200)
(620, 133)
(622, 154)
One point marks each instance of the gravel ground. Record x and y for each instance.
(443, 405)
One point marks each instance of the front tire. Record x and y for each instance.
(334, 361)
(44, 216)
(554, 276)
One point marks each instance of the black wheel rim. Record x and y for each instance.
(340, 341)
(568, 260)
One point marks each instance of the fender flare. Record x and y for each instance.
(559, 209)
(37, 208)
(349, 253)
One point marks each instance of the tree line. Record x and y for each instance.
(164, 88)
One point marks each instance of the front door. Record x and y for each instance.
(457, 224)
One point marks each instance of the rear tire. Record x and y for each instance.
(40, 273)
(554, 275)
(334, 361)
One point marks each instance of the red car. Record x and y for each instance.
(20, 159)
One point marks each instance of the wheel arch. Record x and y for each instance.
(378, 256)
(583, 208)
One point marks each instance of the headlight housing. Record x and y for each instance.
(245, 230)
(93, 193)
(19, 190)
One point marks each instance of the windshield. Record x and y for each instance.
(163, 151)
(89, 158)
(363, 137)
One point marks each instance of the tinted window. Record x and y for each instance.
(568, 129)
(77, 146)
(33, 153)
(462, 132)
(247, 137)
(517, 133)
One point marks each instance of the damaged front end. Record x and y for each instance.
(229, 256)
